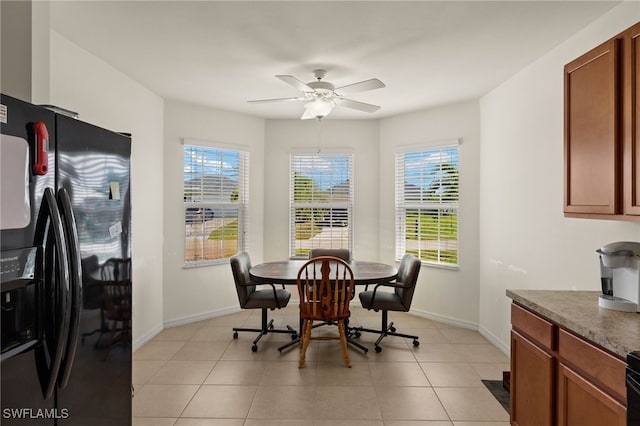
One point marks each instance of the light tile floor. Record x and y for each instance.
(198, 375)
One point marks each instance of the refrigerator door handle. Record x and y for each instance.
(50, 223)
(75, 275)
(41, 166)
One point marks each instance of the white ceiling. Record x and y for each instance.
(222, 54)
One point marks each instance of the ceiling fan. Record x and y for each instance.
(321, 96)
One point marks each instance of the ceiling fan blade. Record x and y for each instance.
(360, 106)
(361, 86)
(258, 101)
(300, 85)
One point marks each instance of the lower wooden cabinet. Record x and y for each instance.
(558, 378)
(582, 403)
(532, 383)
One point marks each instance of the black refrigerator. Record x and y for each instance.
(65, 277)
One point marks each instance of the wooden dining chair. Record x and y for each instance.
(325, 288)
(343, 254)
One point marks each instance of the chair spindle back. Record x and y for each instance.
(325, 288)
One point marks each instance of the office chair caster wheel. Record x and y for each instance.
(416, 343)
(357, 334)
(235, 335)
(294, 336)
(378, 349)
(254, 348)
(392, 329)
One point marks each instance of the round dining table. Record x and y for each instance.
(286, 272)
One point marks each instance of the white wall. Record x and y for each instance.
(513, 233)
(359, 136)
(15, 49)
(105, 97)
(449, 295)
(40, 52)
(525, 242)
(195, 293)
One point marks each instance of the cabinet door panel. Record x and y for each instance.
(592, 148)
(532, 383)
(582, 404)
(631, 116)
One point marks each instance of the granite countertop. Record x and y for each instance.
(578, 311)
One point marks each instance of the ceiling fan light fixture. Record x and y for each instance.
(319, 108)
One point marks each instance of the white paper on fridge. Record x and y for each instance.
(15, 205)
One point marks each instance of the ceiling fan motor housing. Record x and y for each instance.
(321, 86)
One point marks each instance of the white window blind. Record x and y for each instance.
(321, 202)
(427, 196)
(216, 195)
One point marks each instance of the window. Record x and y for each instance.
(427, 204)
(321, 202)
(216, 194)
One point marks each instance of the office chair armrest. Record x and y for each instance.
(394, 284)
(275, 294)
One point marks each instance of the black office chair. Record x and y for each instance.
(399, 300)
(252, 298)
(340, 253)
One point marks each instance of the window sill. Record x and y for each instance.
(440, 265)
(205, 263)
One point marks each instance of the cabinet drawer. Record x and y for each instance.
(601, 368)
(533, 326)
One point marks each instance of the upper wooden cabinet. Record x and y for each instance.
(602, 151)
(591, 131)
(631, 118)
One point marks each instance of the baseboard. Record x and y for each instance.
(492, 338)
(495, 341)
(445, 319)
(417, 312)
(202, 316)
(138, 343)
(442, 319)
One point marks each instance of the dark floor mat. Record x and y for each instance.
(499, 392)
